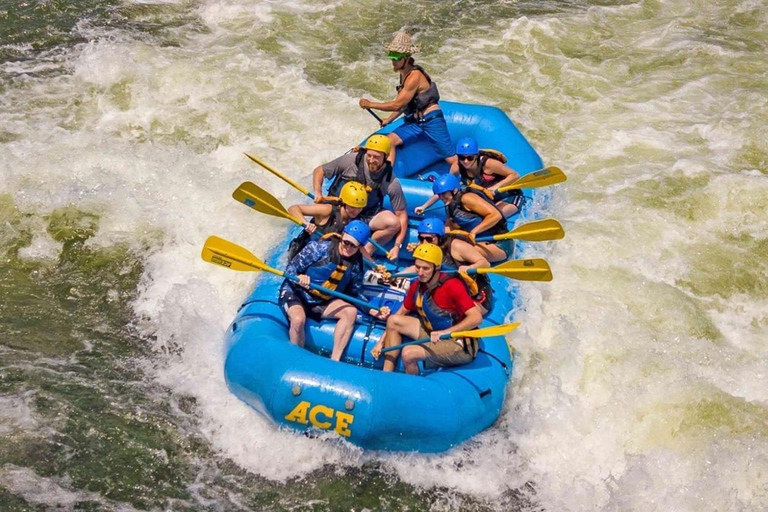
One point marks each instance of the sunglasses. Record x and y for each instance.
(467, 158)
(349, 245)
(427, 238)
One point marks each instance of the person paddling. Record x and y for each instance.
(329, 216)
(485, 168)
(335, 263)
(371, 167)
(460, 253)
(471, 210)
(416, 99)
(443, 306)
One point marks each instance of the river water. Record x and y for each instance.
(641, 380)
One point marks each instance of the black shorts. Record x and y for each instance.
(289, 298)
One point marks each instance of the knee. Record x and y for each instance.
(348, 315)
(298, 320)
(410, 354)
(393, 322)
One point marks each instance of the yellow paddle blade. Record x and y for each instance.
(262, 201)
(541, 178)
(534, 269)
(496, 330)
(227, 254)
(279, 175)
(536, 231)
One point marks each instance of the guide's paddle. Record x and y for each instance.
(536, 231)
(374, 115)
(496, 330)
(534, 269)
(228, 254)
(262, 201)
(541, 178)
(281, 176)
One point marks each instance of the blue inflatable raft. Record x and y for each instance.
(302, 389)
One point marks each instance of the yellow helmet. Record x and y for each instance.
(378, 143)
(353, 194)
(429, 253)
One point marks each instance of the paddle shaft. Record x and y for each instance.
(282, 176)
(374, 115)
(263, 266)
(414, 342)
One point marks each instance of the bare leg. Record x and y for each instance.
(412, 354)
(491, 252)
(385, 226)
(397, 327)
(395, 140)
(507, 209)
(346, 314)
(296, 318)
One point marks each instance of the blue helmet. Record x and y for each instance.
(467, 146)
(358, 230)
(432, 226)
(446, 183)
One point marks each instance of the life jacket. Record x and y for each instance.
(422, 100)
(481, 178)
(334, 224)
(333, 271)
(374, 186)
(432, 316)
(478, 285)
(466, 219)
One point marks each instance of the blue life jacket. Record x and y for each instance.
(331, 271)
(432, 316)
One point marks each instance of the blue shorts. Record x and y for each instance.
(433, 127)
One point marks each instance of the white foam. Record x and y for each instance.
(615, 364)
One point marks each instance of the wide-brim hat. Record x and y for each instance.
(402, 43)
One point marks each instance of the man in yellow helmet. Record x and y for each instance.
(328, 216)
(442, 305)
(371, 167)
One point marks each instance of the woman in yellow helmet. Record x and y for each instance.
(329, 216)
(442, 305)
(370, 166)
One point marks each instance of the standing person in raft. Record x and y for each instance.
(333, 262)
(371, 167)
(416, 99)
(329, 216)
(443, 306)
(471, 210)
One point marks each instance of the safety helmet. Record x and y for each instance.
(431, 226)
(446, 183)
(429, 253)
(358, 230)
(467, 146)
(379, 143)
(353, 194)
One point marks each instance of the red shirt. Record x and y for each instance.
(451, 296)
